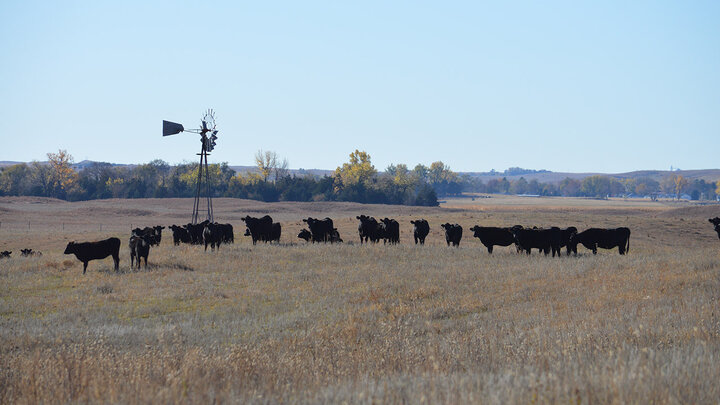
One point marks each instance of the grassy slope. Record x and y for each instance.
(364, 323)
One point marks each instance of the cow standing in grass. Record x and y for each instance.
(180, 234)
(367, 229)
(453, 234)
(529, 239)
(5, 254)
(491, 236)
(321, 229)
(87, 251)
(139, 246)
(595, 238)
(560, 238)
(213, 236)
(716, 221)
(392, 231)
(421, 229)
(258, 228)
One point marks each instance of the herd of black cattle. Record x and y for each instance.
(370, 230)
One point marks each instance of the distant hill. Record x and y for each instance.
(555, 177)
(542, 176)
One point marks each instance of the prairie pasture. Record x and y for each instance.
(311, 323)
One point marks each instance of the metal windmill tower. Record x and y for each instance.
(208, 137)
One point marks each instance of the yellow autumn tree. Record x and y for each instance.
(62, 175)
(359, 171)
(680, 185)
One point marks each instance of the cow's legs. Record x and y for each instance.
(490, 249)
(116, 259)
(84, 267)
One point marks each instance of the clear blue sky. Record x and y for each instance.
(565, 86)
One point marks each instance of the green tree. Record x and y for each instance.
(596, 186)
(14, 180)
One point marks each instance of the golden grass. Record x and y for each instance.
(350, 323)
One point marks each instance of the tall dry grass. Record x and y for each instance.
(361, 324)
(308, 324)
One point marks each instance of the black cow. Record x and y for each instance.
(594, 238)
(367, 229)
(196, 232)
(212, 235)
(153, 234)
(716, 221)
(5, 254)
(493, 236)
(392, 231)
(180, 234)
(29, 252)
(528, 239)
(157, 235)
(87, 251)
(421, 229)
(259, 229)
(139, 248)
(453, 234)
(275, 232)
(560, 238)
(321, 229)
(226, 233)
(305, 235)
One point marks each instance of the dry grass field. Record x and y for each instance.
(298, 323)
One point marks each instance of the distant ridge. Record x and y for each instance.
(542, 176)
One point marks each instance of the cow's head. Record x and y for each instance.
(5, 253)
(476, 231)
(25, 252)
(70, 248)
(247, 232)
(447, 226)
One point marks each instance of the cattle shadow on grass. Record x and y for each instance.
(150, 267)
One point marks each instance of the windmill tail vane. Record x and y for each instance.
(208, 137)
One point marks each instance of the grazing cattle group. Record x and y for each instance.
(29, 253)
(547, 240)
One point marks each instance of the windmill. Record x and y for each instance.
(208, 137)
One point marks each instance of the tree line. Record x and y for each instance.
(356, 180)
